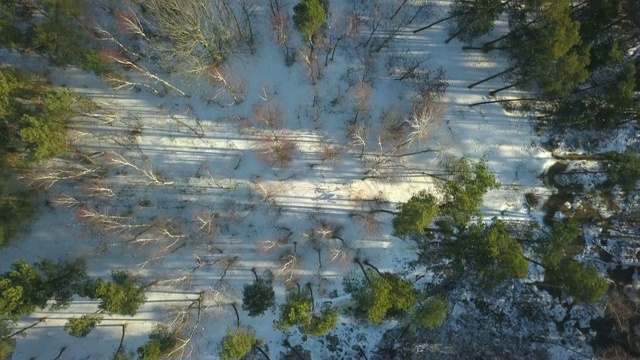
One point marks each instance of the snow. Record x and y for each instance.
(207, 160)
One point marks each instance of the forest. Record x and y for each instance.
(319, 179)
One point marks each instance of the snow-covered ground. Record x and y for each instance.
(209, 164)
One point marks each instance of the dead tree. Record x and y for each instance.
(148, 173)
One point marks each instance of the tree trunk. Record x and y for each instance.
(60, 353)
(287, 344)
(502, 101)
(491, 77)
(313, 303)
(24, 329)
(593, 157)
(235, 309)
(364, 272)
(494, 92)
(398, 9)
(435, 23)
(262, 351)
(373, 267)
(124, 326)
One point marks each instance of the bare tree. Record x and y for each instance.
(127, 58)
(45, 177)
(200, 34)
(289, 262)
(231, 92)
(358, 134)
(279, 241)
(152, 177)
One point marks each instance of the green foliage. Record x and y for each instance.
(489, 251)
(62, 280)
(42, 113)
(45, 138)
(547, 52)
(322, 322)
(6, 345)
(61, 39)
(584, 283)
(464, 192)
(161, 342)
(308, 16)
(27, 287)
(258, 297)
(15, 211)
(474, 18)
(381, 295)
(564, 233)
(430, 314)
(82, 326)
(10, 34)
(237, 344)
(623, 169)
(122, 295)
(92, 61)
(602, 106)
(415, 215)
(297, 310)
(70, 8)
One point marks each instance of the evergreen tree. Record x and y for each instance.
(7, 345)
(322, 322)
(430, 313)
(27, 287)
(308, 16)
(161, 342)
(565, 233)
(123, 294)
(298, 310)
(258, 297)
(236, 344)
(547, 51)
(464, 191)
(380, 294)
(415, 215)
(623, 169)
(82, 326)
(489, 251)
(474, 18)
(584, 283)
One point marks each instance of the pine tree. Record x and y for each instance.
(123, 294)
(380, 294)
(415, 215)
(584, 283)
(464, 191)
(258, 297)
(308, 16)
(161, 342)
(82, 326)
(430, 313)
(238, 343)
(474, 18)
(488, 251)
(298, 310)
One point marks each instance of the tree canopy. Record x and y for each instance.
(298, 310)
(238, 343)
(123, 294)
(489, 251)
(258, 297)
(308, 16)
(380, 294)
